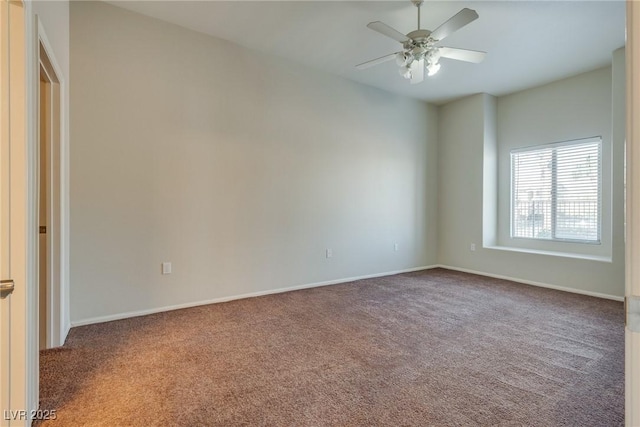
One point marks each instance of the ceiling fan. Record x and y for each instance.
(419, 46)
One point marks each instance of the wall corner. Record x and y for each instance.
(490, 172)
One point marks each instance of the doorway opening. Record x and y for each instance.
(49, 119)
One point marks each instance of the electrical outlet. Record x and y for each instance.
(166, 268)
(396, 247)
(472, 247)
(329, 253)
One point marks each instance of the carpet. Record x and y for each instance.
(429, 348)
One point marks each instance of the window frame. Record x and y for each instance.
(554, 146)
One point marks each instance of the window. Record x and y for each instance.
(555, 191)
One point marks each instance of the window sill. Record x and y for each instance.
(574, 255)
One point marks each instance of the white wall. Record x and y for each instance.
(240, 169)
(573, 108)
(618, 146)
(460, 179)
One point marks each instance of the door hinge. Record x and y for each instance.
(632, 313)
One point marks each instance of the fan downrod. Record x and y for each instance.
(418, 3)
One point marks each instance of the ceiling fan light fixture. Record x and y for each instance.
(433, 56)
(402, 59)
(405, 72)
(432, 68)
(418, 51)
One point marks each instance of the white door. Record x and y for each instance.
(5, 271)
(14, 410)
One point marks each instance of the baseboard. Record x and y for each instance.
(532, 283)
(127, 315)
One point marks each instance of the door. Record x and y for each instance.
(5, 271)
(49, 196)
(43, 201)
(13, 218)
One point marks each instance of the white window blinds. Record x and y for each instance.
(555, 191)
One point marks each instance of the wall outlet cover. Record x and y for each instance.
(166, 268)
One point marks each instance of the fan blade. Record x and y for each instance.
(417, 71)
(474, 56)
(376, 61)
(457, 21)
(386, 30)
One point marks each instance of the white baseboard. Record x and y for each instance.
(532, 283)
(137, 313)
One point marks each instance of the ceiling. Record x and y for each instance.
(528, 43)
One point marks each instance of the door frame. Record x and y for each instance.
(32, 362)
(58, 321)
(632, 231)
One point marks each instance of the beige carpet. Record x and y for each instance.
(437, 348)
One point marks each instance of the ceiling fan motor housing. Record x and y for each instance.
(420, 45)
(420, 36)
